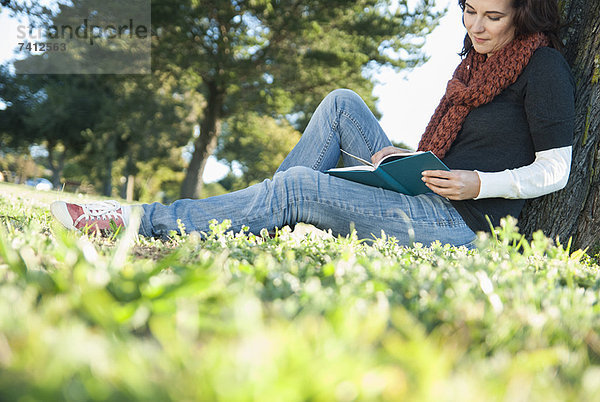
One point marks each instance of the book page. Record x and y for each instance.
(361, 160)
(358, 168)
(396, 156)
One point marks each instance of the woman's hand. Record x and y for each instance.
(454, 185)
(382, 153)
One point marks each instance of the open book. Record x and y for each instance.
(400, 172)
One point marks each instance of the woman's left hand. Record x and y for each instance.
(454, 185)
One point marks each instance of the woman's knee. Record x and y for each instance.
(343, 98)
(296, 176)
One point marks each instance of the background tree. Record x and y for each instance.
(96, 120)
(104, 117)
(49, 110)
(575, 211)
(258, 143)
(279, 57)
(145, 118)
(33, 9)
(271, 58)
(255, 146)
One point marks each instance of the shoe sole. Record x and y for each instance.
(61, 214)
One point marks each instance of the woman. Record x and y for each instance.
(504, 127)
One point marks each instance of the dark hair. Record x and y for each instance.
(531, 16)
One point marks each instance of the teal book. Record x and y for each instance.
(399, 172)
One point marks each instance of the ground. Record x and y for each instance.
(294, 317)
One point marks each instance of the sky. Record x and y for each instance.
(407, 98)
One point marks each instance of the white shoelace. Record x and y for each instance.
(100, 210)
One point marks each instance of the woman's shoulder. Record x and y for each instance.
(547, 60)
(549, 87)
(548, 53)
(547, 71)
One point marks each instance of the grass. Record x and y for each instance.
(295, 317)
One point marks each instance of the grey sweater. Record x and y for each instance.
(536, 113)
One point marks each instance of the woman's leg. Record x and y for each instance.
(301, 194)
(344, 121)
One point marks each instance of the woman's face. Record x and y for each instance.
(489, 24)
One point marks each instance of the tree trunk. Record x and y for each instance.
(575, 211)
(205, 144)
(127, 190)
(107, 182)
(109, 158)
(131, 170)
(130, 188)
(56, 162)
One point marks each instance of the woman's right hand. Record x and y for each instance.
(382, 153)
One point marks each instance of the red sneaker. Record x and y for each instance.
(95, 216)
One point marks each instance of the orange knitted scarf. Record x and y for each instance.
(477, 80)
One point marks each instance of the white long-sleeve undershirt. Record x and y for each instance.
(548, 173)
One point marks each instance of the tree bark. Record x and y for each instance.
(56, 162)
(109, 158)
(575, 211)
(107, 182)
(127, 190)
(130, 187)
(205, 144)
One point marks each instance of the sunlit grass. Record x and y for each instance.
(295, 317)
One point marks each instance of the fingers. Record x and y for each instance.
(444, 191)
(448, 193)
(439, 178)
(377, 156)
(454, 185)
(439, 173)
(440, 183)
(382, 153)
(444, 183)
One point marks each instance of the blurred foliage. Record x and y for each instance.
(160, 180)
(52, 110)
(215, 64)
(280, 58)
(400, 144)
(17, 168)
(215, 188)
(149, 121)
(35, 9)
(301, 316)
(258, 143)
(93, 121)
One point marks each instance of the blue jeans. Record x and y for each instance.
(300, 191)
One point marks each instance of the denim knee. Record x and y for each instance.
(296, 176)
(345, 98)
